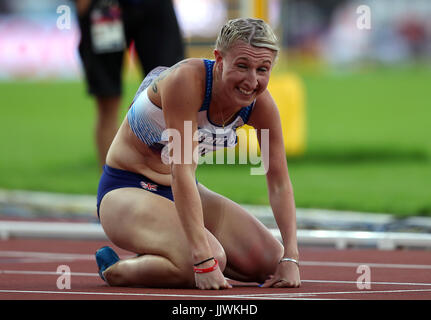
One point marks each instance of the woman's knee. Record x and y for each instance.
(221, 259)
(263, 262)
(217, 250)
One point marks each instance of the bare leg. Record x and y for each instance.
(106, 124)
(251, 250)
(147, 271)
(147, 224)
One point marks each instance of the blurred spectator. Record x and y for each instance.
(400, 31)
(108, 27)
(413, 30)
(306, 21)
(345, 43)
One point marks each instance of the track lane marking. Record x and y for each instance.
(48, 273)
(90, 274)
(79, 256)
(370, 264)
(245, 296)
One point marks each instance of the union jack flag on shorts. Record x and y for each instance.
(149, 186)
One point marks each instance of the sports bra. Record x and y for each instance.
(147, 122)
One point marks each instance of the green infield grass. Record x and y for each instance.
(368, 142)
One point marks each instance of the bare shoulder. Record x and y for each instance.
(185, 70)
(188, 71)
(186, 79)
(265, 112)
(180, 91)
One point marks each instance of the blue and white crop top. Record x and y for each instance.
(147, 122)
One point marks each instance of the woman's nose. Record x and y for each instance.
(251, 79)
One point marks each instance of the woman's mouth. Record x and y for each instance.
(246, 92)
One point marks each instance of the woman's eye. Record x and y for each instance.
(242, 66)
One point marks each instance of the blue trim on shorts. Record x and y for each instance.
(113, 178)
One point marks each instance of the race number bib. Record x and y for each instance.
(107, 31)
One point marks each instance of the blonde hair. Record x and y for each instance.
(255, 32)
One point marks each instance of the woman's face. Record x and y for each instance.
(245, 71)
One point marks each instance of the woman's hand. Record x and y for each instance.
(213, 280)
(286, 276)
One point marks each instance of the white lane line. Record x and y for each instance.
(277, 296)
(144, 294)
(47, 273)
(371, 283)
(370, 264)
(303, 294)
(88, 274)
(46, 255)
(78, 256)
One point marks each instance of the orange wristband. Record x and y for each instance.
(206, 270)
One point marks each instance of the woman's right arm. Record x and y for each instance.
(179, 100)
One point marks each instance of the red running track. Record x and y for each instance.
(28, 271)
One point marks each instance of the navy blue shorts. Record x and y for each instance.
(113, 178)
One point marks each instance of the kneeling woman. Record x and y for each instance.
(184, 234)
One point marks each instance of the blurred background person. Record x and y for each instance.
(108, 29)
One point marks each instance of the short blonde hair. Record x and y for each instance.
(255, 32)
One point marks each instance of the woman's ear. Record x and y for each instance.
(218, 55)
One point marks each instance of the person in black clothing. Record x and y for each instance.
(108, 28)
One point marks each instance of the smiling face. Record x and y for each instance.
(244, 71)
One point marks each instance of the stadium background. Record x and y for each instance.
(361, 97)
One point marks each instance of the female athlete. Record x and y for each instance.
(185, 235)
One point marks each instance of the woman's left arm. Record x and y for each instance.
(266, 116)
